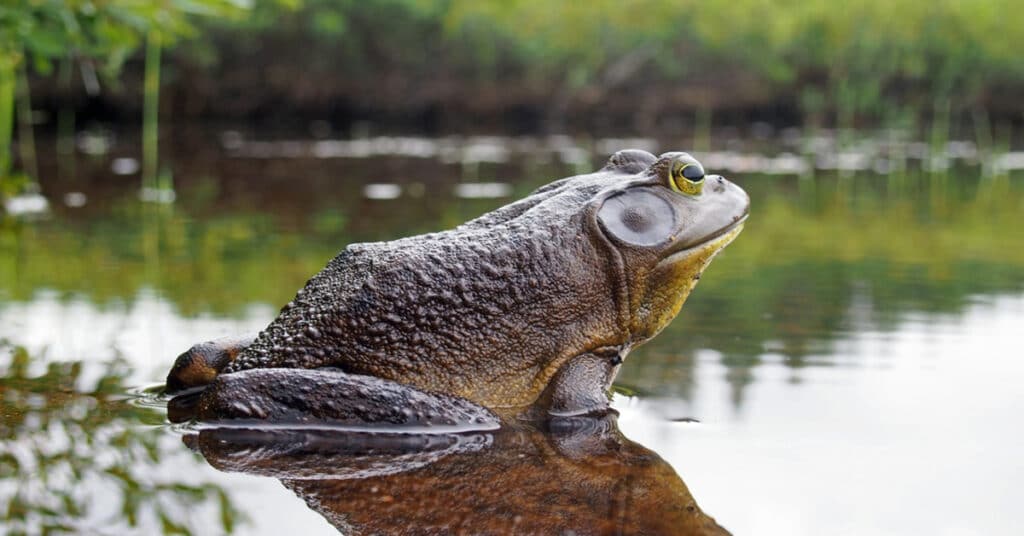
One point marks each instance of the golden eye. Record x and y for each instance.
(688, 178)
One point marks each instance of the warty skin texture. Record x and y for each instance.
(549, 290)
(486, 311)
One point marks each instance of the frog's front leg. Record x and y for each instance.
(581, 386)
(201, 363)
(329, 396)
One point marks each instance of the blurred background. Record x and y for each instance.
(172, 171)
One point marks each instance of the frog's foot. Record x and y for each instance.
(581, 386)
(200, 364)
(330, 397)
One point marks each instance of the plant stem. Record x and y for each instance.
(26, 138)
(150, 127)
(7, 83)
(940, 132)
(66, 122)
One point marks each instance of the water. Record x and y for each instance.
(850, 365)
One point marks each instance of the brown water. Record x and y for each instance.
(850, 365)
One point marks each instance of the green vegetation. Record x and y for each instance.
(879, 61)
(948, 66)
(87, 449)
(41, 32)
(859, 52)
(947, 47)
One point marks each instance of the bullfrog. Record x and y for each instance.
(527, 310)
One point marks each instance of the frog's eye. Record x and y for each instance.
(688, 177)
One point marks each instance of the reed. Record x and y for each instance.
(151, 112)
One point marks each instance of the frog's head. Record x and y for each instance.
(662, 225)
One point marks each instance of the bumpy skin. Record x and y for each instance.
(311, 396)
(570, 278)
(486, 311)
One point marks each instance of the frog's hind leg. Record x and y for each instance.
(200, 364)
(328, 396)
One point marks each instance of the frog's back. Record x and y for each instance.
(425, 309)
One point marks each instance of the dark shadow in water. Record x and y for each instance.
(579, 476)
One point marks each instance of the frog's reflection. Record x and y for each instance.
(576, 476)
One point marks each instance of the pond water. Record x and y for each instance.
(850, 365)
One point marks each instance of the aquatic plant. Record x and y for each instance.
(78, 455)
(91, 35)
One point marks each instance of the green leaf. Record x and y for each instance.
(170, 527)
(42, 65)
(46, 42)
(227, 512)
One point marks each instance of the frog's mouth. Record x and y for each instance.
(709, 244)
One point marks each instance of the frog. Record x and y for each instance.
(528, 310)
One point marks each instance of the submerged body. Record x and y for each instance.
(534, 304)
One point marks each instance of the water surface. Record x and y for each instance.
(850, 365)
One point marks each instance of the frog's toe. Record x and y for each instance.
(201, 363)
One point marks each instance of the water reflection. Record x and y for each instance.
(80, 456)
(579, 475)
